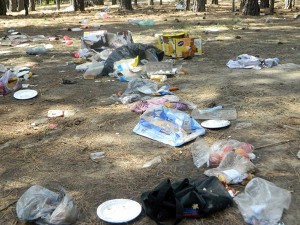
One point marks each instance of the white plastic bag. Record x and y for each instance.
(94, 70)
(45, 207)
(263, 202)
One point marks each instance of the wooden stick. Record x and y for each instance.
(6, 207)
(278, 143)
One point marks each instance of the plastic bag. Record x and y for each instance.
(214, 155)
(4, 83)
(125, 66)
(143, 51)
(169, 126)
(233, 168)
(263, 202)
(220, 148)
(93, 70)
(199, 149)
(45, 207)
(136, 88)
(37, 50)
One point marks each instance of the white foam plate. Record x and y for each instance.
(119, 210)
(25, 94)
(214, 124)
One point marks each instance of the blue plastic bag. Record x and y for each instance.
(169, 126)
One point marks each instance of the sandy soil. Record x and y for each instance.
(267, 98)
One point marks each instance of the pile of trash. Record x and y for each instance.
(165, 118)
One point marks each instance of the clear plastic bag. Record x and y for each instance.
(200, 152)
(45, 207)
(214, 155)
(220, 148)
(263, 202)
(234, 168)
(94, 70)
(4, 83)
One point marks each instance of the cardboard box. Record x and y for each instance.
(179, 45)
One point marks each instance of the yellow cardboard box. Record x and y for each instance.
(179, 45)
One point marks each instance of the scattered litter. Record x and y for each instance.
(52, 125)
(141, 22)
(215, 113)
(76, 29)
(214, 155)
(94, 69)
(298, 154)
(5, 85)
(65, 81)
(246, 61)
(152, 162)
(169, 126)
(199, 151)
(43, 206)
(215, 124)
(262, 202)
(129, 51)
(233, 168)
(55, 113)
(96, 156)
(25, 94)
(102, 15)
(37, 50)
(187, 198)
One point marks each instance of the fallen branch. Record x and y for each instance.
(277, 143)
(9, 205)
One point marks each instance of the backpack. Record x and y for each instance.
(187, 198)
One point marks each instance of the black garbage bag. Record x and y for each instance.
(188, 198)
(44, 207)
(149, 52)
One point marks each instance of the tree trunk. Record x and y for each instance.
(32, 5)
(288, 4)
(242, 4)
(2, 8)
(264, 4)
(251, 8)
(47, 2)
(81, 5)
(233, 6)
(75, 5)
(20, 5)
(135, 2)
(215, 2)
(13, 5)
(160, 2)
(272, 7)
(26, 6)
(113, 2)
(188, 4)
(126, 4)
(150, 2)
(98, 2)
(199, 6)
(57, 4)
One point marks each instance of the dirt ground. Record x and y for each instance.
(267, 99)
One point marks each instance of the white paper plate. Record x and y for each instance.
(119, 210)
(25, 94)
(214, 124)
